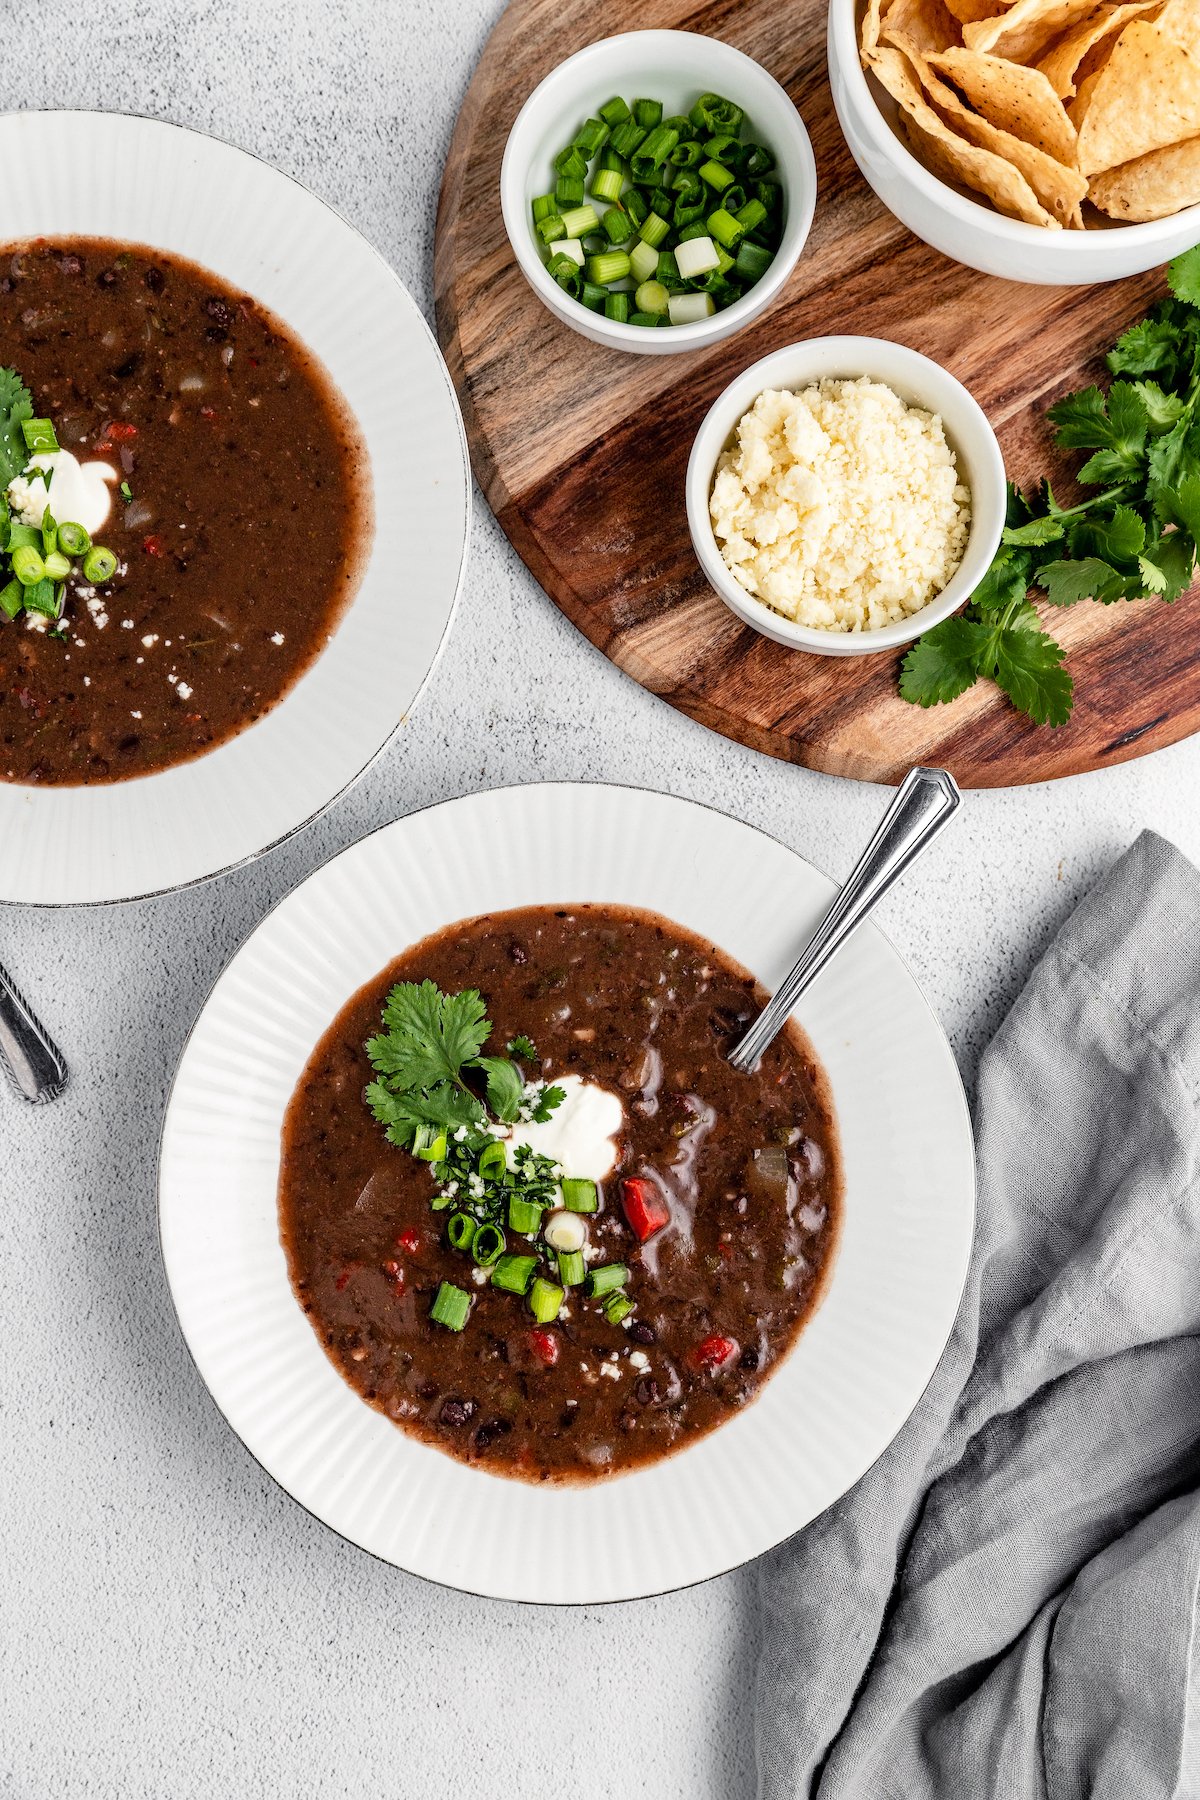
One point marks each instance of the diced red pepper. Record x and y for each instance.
(342, 1279)
(153, 546)
(545, 1343)
(714, 1353)
(119, 431)
(409, 1240)
(645, 1207)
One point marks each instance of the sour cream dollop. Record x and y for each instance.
(580, 1134)
(80, 491)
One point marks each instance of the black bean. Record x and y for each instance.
(129, 367)
(218, 309)
(70, 265)
(517, 952)
(455, 1412)
(643, 1333)
(106, 278)
(749, 1357)
(155, 280)
(646, 1391)
(483, 1438)
(216, 334)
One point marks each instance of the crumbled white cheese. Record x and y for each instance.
(639, 1359)
(610, 1369)
(277, 637)
(150, 640)
(184, 691)
(840, 506)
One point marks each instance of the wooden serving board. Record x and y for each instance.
(581, 451)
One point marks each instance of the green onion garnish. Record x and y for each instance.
(523, 1216)
(654, 230)
(493, 1161)
(73, 540)
(614, 112)
(579, 1196)
(647, 113)
(591, 137)
(39, 437)
(49, 532)
(99, 565)
(545, 1299)
(652, 297)
(716, 175)
(579, 220)
(609, 266)
(488, 1245)
(616, 307)
(460, 1231)
(723, 228)
(27, 565)
(643, 262)
(450, 1307)
(514, 1273)
(543, 207)
(58, 567)
(571, 1267)
(606, 1278)
(12, 599)
(618, 1306)
(617, 225)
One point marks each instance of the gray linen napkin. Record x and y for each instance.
(1005, 1605)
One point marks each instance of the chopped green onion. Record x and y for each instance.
(591, 136)
(611, 265)
(594, 296)
(653, 229)
(12, 599)
(570, 161)
(607, 1277)
(696, 256)
(695, 228)
(614, 112)
(39, 437)
(543, 207)
(571, 1267)
(618, 1306)
(550, 227)
(647, 113)
(662, 203)
(616, 307)
(646, 319)
(711, 113)
(565, 271)
(689, 309)
(643, 261)
(523, 1216)
(27, 565)
(49, 532)
(514, 1273)
(668, 270)
(626, 138)
(771, 195)
(450, 1307)
(44, 597)
(686, 155)
(429, 1144)
(649, 156)
(752, 260)
(617, 225)
(720, 147)
(652, 297)
(493, 1161)
(488, 1245)
(73, 540)
(568, 192)
(579, 220)
(23, 534)
(716, 175)
(758, 161)
(58, 567)
(99, 565)
(609, 178)
(569, 247)
(579, 1196)
(460, 1231)
(724, 229)
(733, 199)
(682, 126)
(751, 215)
(545, 1299)
(636, 205)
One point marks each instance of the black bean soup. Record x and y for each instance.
(240, 532)
(742, 1169)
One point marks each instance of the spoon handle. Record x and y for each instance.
(925, 801)
(28, 1054)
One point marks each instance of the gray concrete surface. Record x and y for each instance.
(175, 1628)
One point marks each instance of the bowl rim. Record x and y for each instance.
(988, 503)
(843, 31)
(800, 211)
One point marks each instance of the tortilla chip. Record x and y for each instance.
(1147, 96)
(1180, 21)
(1061, 64)
(1150, 187)
(870, 26)
(915, 26)
(1027, 29)
(1060, 189)
(1017, 99)
(952, 157)
(1077, 111)
(968, 12)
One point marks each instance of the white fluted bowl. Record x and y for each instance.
(76, 174)
(860, 1365)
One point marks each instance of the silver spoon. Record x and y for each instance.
(926, 800)
(30, 1058)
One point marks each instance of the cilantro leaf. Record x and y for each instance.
(1004, 583)
(522, 1047)
(1154, 578)
(1029, 669)
(1081, 420)
(1035, 531)
(945, 662)
(547, 1101)
(1119, 537)
(15, 405)
(430, 1035)
(1147, 348)
(505, 1087)
(1162, 410)
(1087, 579)
(402, 1114)
(1183, 276)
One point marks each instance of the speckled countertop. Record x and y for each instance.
(177, 1629)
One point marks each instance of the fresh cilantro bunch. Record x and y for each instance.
(430, 1043)
(1134, 540)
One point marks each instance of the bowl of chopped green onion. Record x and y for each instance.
(657, 189)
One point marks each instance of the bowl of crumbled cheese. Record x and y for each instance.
(845, 494)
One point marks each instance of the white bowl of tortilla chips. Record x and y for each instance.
(1053, 141)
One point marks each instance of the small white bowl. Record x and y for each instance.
(968, 229)
(674, 67)
(919, 381)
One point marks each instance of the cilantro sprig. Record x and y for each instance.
(1134, 540)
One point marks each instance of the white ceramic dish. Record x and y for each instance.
(968, 229)
(858, 1369)
(107, 175)
(919, 381)
(674, 67)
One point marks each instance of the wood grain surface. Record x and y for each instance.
(581, 451)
